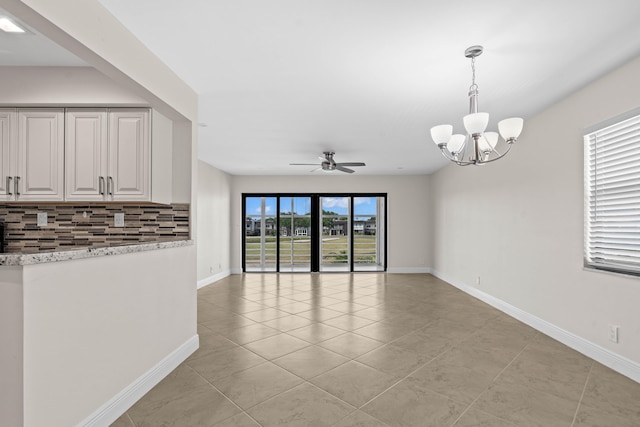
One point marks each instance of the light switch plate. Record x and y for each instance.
(118, 219)
(42, 219)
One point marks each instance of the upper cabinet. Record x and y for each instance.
(7, 125)
(108, 155)
(40, 166)
(32, 154)
(84, 155)
(129, 154)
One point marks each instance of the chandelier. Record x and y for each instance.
(477, 147)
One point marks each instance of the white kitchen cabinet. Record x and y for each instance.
(86, 154)
(108, 154)
(7, 126)
(129, 155)
(40, 165)
(32, 154)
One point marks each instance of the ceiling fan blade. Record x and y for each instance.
(350, 164)
(343, 169)
(318, 168)
(303, 164)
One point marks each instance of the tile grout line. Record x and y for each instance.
(584, 389)
(487, 389)
(130, 419)
(351, 358)
(226, 397)
(403, 378)
(305, 381)
(357, 409)
(354, 359)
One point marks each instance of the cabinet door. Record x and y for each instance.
(6, 150)
(40, 164)
(129, 154)
(86, 154)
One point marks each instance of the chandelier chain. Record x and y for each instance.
(473, 86)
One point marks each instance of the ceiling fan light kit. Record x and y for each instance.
(477, 147)
(329, 165)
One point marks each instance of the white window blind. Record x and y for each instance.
(612, 197)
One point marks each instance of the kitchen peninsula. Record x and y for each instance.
(67, 316)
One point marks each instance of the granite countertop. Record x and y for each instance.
(65, 255)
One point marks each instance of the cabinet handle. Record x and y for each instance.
(110, 186)
(17, 188)
(9, 193)
(101, 185)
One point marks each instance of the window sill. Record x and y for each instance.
(628, 275)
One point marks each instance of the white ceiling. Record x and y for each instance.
(280, 81)
(32, 49)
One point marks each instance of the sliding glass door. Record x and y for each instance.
(335, 228)
(260, 246)
(295, 234)
(314, 232)
(368, 233)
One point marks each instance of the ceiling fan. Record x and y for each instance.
(329, 164)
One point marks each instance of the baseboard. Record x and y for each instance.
(212, 279)
(408, 270)
(608, 358)
(393, 270)
(118, 405)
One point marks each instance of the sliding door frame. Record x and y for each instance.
(316, 218)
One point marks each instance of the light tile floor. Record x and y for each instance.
(375, 350)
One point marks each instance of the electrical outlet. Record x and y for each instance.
(42, 219)
(118, 219)
(613, 333)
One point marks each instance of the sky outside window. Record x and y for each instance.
(254, 206)
(364, 205)
(338, 205)
(302, 205)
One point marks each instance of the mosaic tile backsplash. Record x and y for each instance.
(90, 225)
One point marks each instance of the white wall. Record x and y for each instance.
(407, 211)
(11, 346)
(518, 224)
(214, 232)
(62, 86)
(93, 326)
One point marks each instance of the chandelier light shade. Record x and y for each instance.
(477, 147)
(476, 122)
(441, 134)
(456, 143)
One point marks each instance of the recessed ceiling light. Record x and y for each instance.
(9, 27)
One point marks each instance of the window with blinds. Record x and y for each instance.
(612, 197)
